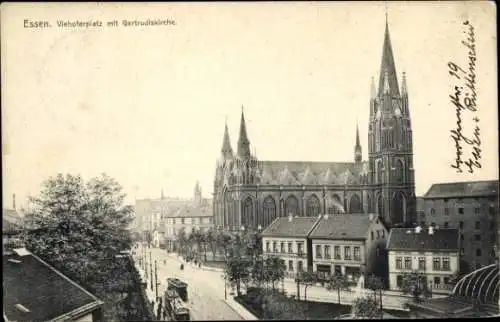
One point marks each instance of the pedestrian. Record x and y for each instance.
(164, 315)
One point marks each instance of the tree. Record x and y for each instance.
(337, 282)
(237, 271)
(223, 241)
(210, 241)
(277, 306)
(183, 241)
(375, 284)
(415, 283)
(366, 307)
(274, 270)
(79, 228)
(198, 238)
(307, 279)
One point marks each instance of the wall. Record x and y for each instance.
(428, 271)
(483, 210)
(286, 256)
(342, 262)
(376, 255)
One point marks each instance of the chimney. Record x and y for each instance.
(14, 201)
(431, 230)
(418, 229)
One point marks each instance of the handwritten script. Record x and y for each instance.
(463, 98)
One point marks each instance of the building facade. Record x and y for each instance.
(432, 252)
(161, 216)
(287, 239)
(471, 207)
(349, 244)
(250, 192)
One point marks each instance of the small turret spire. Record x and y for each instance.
(226, 151)
(357, 149)
(403, 84)
(243, 142)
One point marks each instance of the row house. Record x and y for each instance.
(348, 244)
(287, 238)
(435, 253)
(187, 218)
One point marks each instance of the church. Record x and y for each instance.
(250, 193)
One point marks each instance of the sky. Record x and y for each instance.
(147, 105)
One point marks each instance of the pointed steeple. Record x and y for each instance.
(403, 84)
(387, 88)
(388, 65)
(162, 195)
(227, 150)
(243, 142)
(357, 149)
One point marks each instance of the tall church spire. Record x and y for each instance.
(388, 65)
(243, 142)
(162, 195)
(226, 151)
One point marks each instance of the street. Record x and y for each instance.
(205, 288)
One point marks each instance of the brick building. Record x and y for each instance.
(471, 207)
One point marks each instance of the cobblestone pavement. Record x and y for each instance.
(205, 298)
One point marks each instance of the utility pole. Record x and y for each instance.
(151, 267)
(156, 278)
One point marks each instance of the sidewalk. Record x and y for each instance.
(150, 294)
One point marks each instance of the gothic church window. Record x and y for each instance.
(247, 218)
(269, 210)
(355, 205)
(313, 206)
(379, 172)
(335, 205)
(380, 206)
(292, 206)
(399, 171)
(398, 208)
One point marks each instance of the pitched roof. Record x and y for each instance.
(44, 291)
(309, 172)
(343, 226)
(190, 211)
(463, 189)
(297, 227)
(409, 239)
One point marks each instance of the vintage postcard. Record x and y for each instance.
(249, 160)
